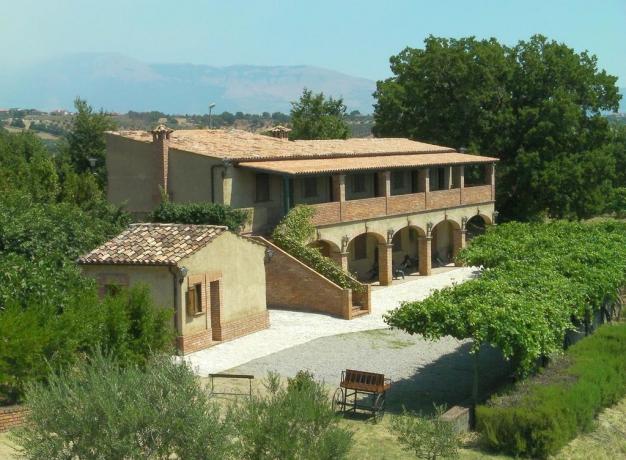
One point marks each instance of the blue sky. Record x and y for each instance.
(355, 37)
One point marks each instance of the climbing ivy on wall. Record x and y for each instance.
(293, 233)
(538, 282)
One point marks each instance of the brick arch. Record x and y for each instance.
(365, 256)
(327, 247)
(447, 241)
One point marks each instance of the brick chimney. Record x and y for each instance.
(279, 131)
(160, 140)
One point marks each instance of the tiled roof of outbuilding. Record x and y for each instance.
(153, 244)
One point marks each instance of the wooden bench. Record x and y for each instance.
(364, 381)
(231, 376)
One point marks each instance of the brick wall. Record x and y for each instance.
(326, 213)
(477, 194)
(400, 204)
(444, 198)
(247, 325)
(363, 209)
(292, 284)
(12, 417)
(194, 342)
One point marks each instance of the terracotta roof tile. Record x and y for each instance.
(334, 165)
(153, 244)
(238, 145)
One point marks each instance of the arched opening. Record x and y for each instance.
(406, 252)
(475, 226)
(443, 243)
(326, 248)
(363, 256)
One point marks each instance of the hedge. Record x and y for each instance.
(544, 413)
(200, 214)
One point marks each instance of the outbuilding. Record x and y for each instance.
(212, 278)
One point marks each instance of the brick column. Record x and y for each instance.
(160, 140)
(447, 177)
(425, 261)
(424, 184)
(227, 184)
(458, 244)
(491, 177)
(460, 180)
(385, 262)
(339, 191)
(341, 258)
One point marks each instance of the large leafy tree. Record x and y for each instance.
(314, 116)
(537, 106)
(86, 139)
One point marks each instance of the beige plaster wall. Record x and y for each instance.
(244, 195)
(133, 173)
(189, 178)
(241, 265)
(157, 278)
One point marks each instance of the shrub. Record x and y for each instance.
(292, 235)
(98, 409)
(40, 337)
(292, 422)
(546, 412)
(427, 438)
(200, 213)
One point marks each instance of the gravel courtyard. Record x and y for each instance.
(422, 372)
(291, 328)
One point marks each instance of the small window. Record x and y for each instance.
(397, 180)
(358, 183)
(360, 248)
(112, 290)
(262, 187)
(310, 187)
(194, 299)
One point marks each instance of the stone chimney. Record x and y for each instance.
(280, 132)
(160, 140)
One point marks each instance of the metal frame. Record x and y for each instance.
(231, 376)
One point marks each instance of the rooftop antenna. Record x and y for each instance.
(211, 105)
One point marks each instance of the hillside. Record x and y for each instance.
(119, 83)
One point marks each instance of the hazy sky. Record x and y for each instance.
(356, 37)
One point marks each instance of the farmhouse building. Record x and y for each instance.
(379, 202)
(213, 279)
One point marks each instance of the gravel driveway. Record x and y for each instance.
(289, 329)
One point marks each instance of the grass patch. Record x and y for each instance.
(386, 339)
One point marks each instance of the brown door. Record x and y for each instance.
(216, 310)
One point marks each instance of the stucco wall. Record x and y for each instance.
(189, 178)
(157, 278)
(133, 173)
(244, 196)
(241, 264)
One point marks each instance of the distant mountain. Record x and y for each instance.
(119, 83)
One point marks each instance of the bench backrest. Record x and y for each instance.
(360, 380)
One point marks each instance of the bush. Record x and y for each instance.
(293, 422)
(546, 412)
(39, 338)
(292, 235)
(98, 409)
(200, 213)
(427, 438)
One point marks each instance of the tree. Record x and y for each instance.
(86, 139)
(537, 106)
(315, 117)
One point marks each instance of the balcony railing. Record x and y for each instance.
(368, 208)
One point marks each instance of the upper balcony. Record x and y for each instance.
(353, 197)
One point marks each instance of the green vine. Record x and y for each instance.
(538, 281)
(293, 233)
